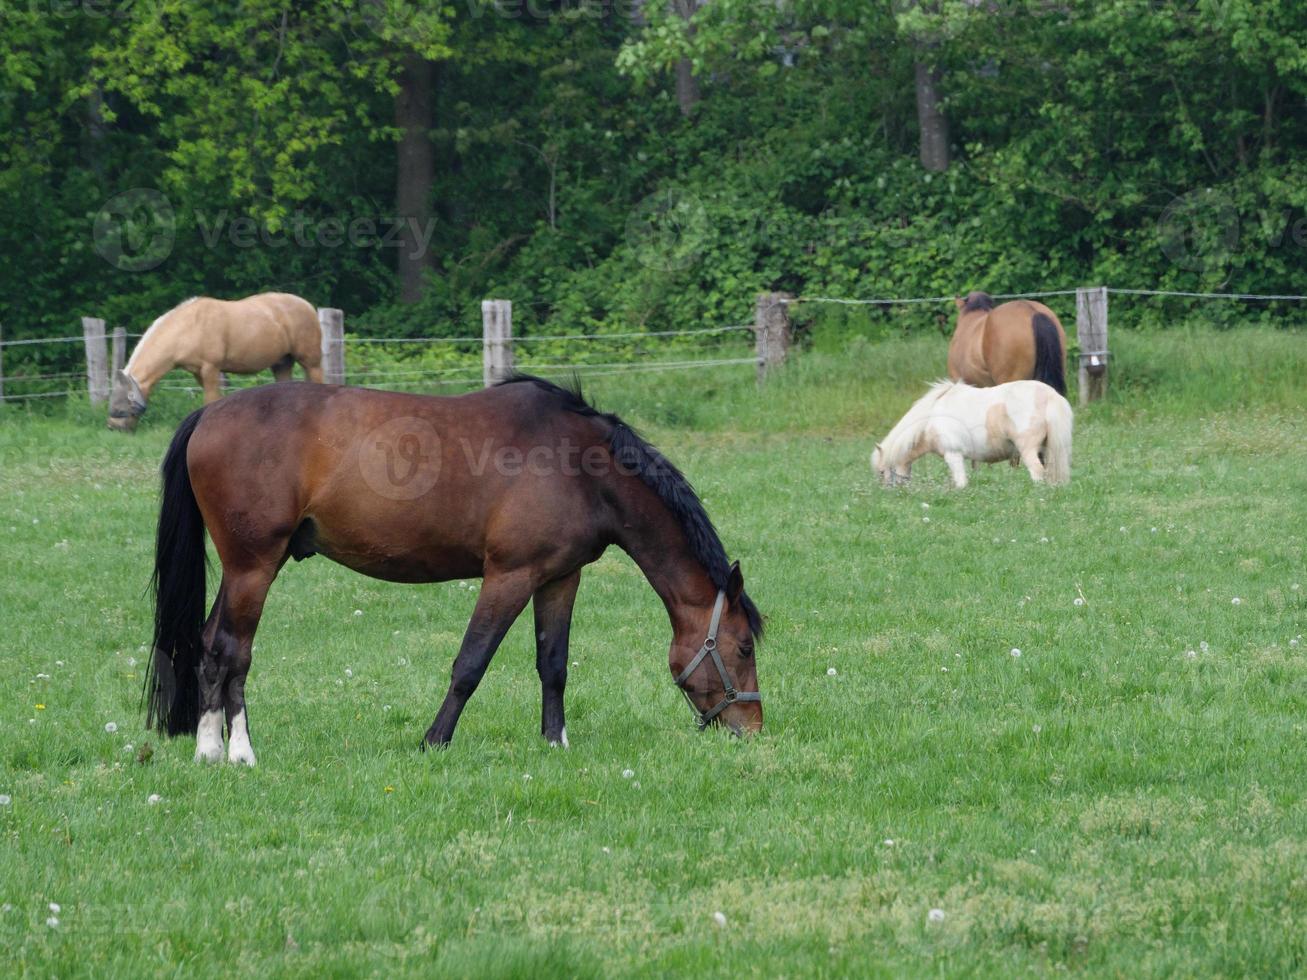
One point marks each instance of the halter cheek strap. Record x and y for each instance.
(709, 649)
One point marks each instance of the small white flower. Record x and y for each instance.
(1078, 601)
(52, 922)
(935, 915)
(831, 672)
(42, 677)
(358, 612)
(1294, 587)
(1293, 642)
(1123, 530)
(110, 727)
(1152, 530)
(943, 670)
(1043, 540)
(58, 663)
(54, 907)
(403, 661)
(348, 672)
(720, 919)
(1235, 601)
(1016, 652)
(1190, 655)
(925, 520)
(385, 707)
(526, 777)
(636, 784)
(628, 773)
(888, 842)
(6, 908)
(154, 798)
(128, 747)
(925, 506)
(1203, 646)
(5, 799)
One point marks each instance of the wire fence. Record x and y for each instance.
(451, 362)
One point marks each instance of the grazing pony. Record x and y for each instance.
(992, 344)
(1024, 421)
(209, 336)
(522, 484)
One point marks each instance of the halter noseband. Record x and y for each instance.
(709, 649)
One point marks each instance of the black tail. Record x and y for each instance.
(172, 691)
(1049, 366)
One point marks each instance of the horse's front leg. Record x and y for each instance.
(503, 597)
(958, 467)
(210, 379)
(553, 620)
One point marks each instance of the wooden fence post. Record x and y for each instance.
(332, 323)
(119, 352)
(1091, 331)
(772, 331)
(97, 360)
(497, 340)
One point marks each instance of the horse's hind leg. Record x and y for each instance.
(281, 371)
(553, 620)
(228, 642)
(502, 598)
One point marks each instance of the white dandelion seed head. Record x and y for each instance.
(1036, 728)
(607, 850)
(720, 919)
(925, 506)
(1203, 646)
(385, 707)
(1079, 601)
(636, 784)
(349, 672)
(526, 777)
(943, 670)
(5, 799)
(1294, 587)
(6, 908)
(888, 842)
(1043, 540)
(1235, 601)
(1293, 642)
(110, 727)
(58, 663)
(935, 915)
(831, 671)
(52, 922)
(1190, 655)
(1123, 530)
(628, 773)
(154, 799)
(1016, 652)
(54, 907)
(358, 612)
(128, 747)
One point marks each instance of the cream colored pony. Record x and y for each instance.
(1024, 421)
(209, 336)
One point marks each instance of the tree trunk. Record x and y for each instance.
(687, 85)
(415, 173)
(931, 119)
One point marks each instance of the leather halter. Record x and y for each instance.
(709, 649)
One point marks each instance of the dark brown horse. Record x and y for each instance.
(522, 484)
(1017, 341)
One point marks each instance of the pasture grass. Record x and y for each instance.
(1126, 797)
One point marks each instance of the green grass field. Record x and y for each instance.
(1125, 798)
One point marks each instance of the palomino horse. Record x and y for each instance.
(522, 484)
(208, 336)
(1024, 421)
(1017, 340)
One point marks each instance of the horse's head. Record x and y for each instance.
(890, 476)
(126, 403)
(712, 659)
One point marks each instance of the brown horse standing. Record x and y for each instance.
(209, 336)
(522, 484)
(1017, 341)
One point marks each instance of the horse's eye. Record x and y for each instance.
(746, 650)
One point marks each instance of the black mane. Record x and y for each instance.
(662, 477)
(977, 301)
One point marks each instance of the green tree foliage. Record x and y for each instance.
(1146, 143)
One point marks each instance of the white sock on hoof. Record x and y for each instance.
(239, 749)
(208, 737)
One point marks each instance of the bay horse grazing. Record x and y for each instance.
(522, 484)
(1014, 341)
(1021, 421)
(209, 336)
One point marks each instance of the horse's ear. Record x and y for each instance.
(735, 583)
